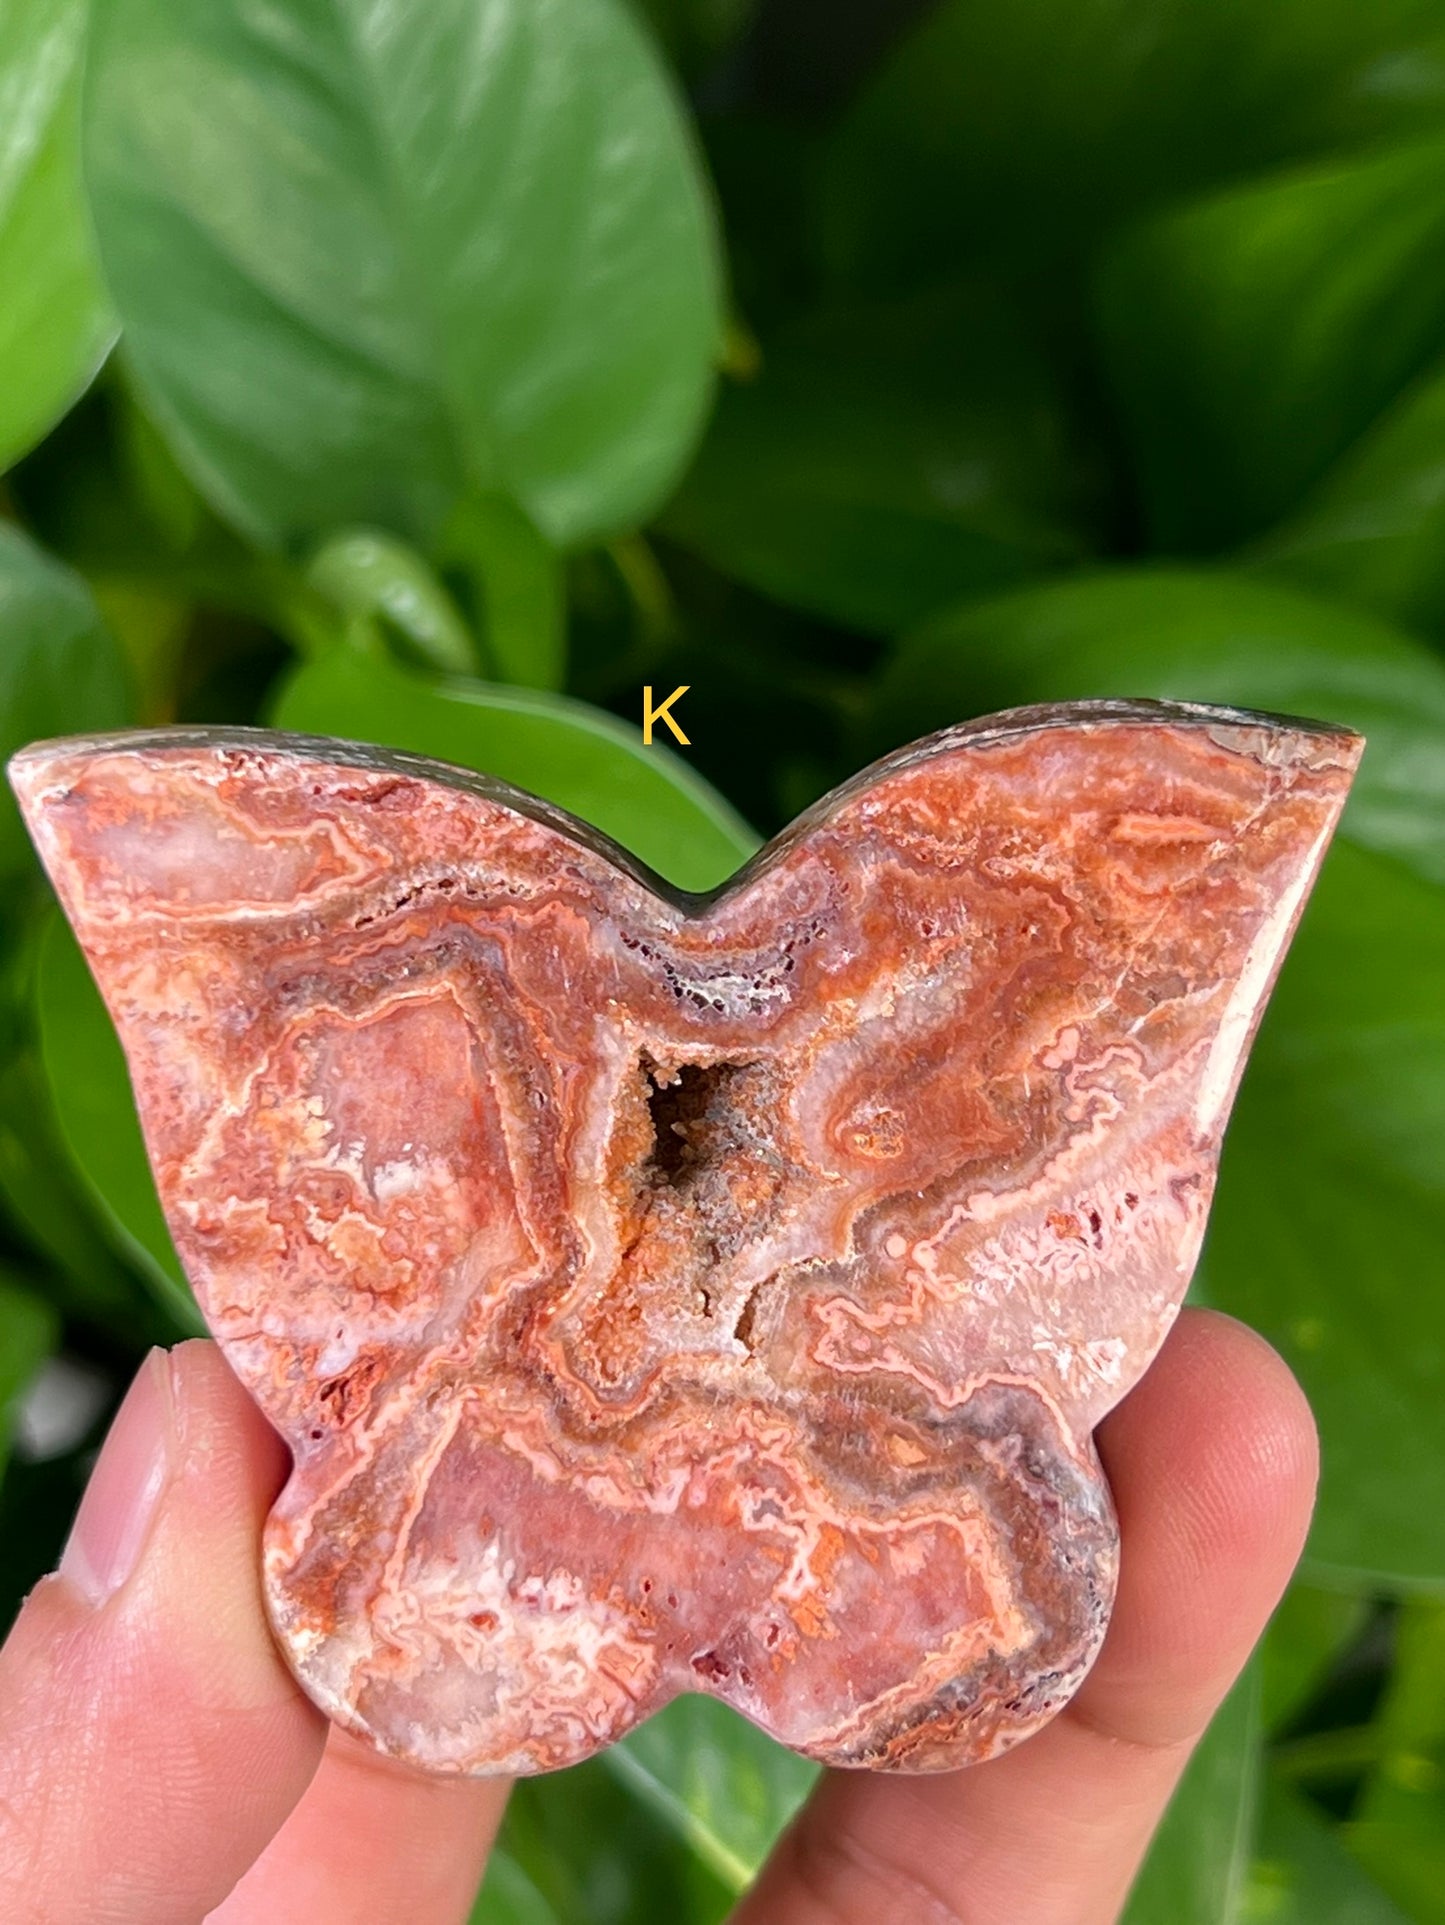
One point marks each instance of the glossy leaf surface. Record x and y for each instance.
(55, 320)
(410, 250)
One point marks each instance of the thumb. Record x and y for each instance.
(151, 1740)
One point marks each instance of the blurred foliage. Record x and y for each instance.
(55, 321)
(1196, 1869)
(863, 366)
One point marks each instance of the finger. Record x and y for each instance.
(151, 1740)
(1212, 1459)
(372, 1842)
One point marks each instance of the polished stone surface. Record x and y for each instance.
(670, 1293)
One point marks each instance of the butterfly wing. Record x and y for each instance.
(962, 1048)
(341, 985)
(1049, 950)
(333, 1094)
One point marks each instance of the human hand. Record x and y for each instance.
(159, 1766)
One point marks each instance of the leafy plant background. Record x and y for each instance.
(440, 375)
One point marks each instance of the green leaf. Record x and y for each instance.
(368, 257)
(1331, 1204)
(44, 1197)
(705, 1795)
(1306, 1635)
(105, 492)
(60, 672)
(1033, 124)
(889, 459)
(515, 588)
(43, 1194)
(723, 1785)
(55, 322)
(29, 1333)
(596, 1853)
(1331, 1208)
(89, 1088)
(1196, 1868)
(1252, 338)
(380, 582)
(1204, 637)
(1398, 1831)
(508, 1896)
(29, 1329)
(1302, 1874)
(1373, 531)
(575, 756)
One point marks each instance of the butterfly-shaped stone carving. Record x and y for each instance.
(665, 1292)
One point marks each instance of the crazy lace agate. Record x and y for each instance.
(665, 1293)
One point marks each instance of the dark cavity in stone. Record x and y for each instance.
(689, 1105)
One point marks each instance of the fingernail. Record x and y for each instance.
(125, 1487)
